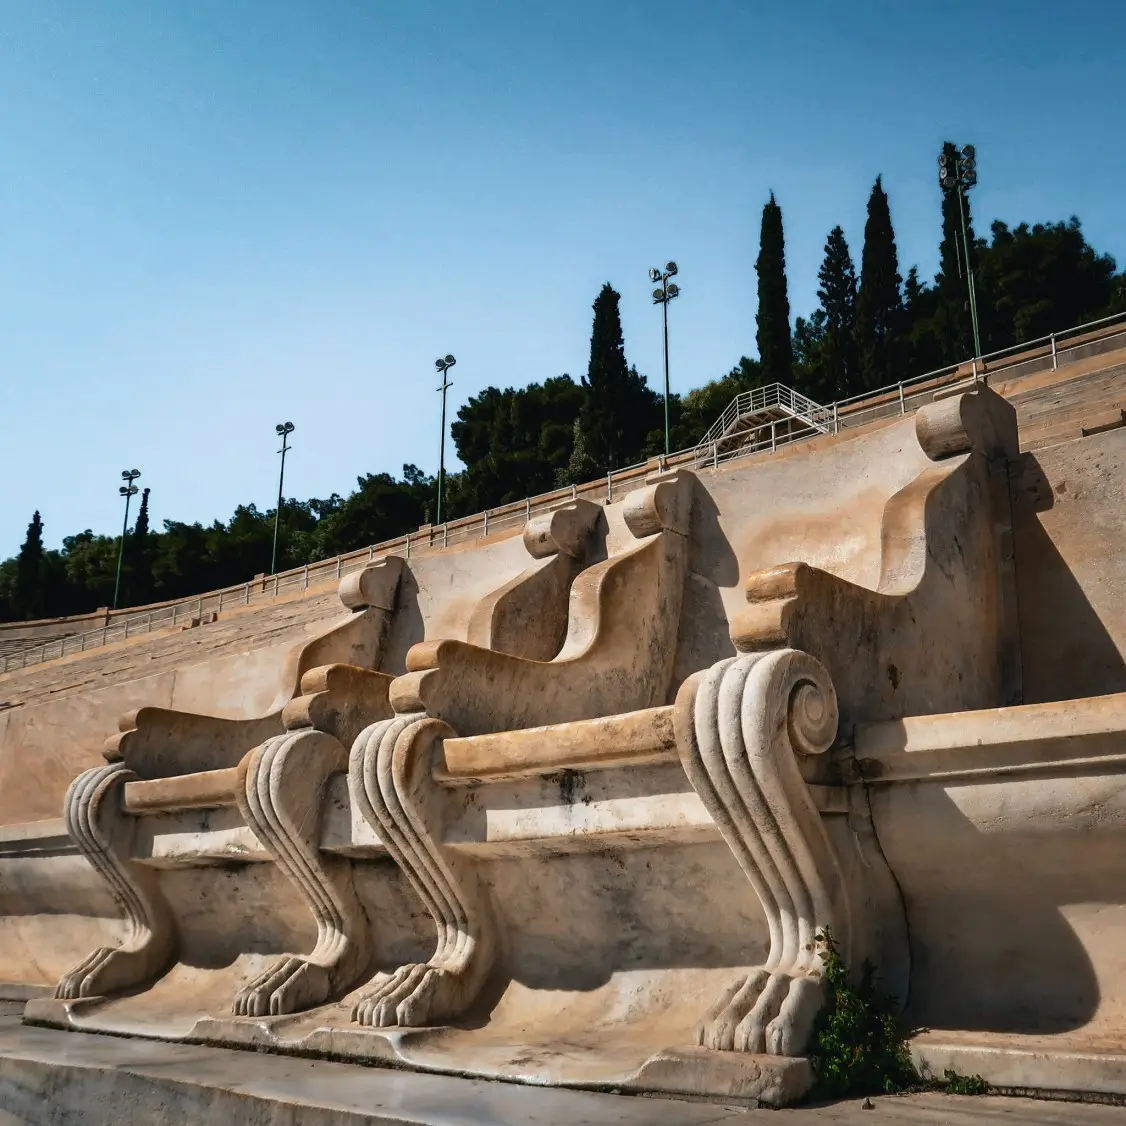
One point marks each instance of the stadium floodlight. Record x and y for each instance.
(443, 364)
(283, 429)
(662, 297)
(128, 491)
(957, 176)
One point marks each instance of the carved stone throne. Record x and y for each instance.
(491, 757)
(165, 761)
(635, 843)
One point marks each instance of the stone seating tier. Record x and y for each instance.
(597, 795)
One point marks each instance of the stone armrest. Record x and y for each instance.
(161, 744)
(619, 742)
(868, 640)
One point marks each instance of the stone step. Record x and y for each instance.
(1079, 425)
(53, 1078)
(244, 629)
(48, 1076)
(1104, 420)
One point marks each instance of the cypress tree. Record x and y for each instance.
(28, 589)
(836, 378)
(618, 407)
(879, 305)
(580, 467)
(775, 346)
(141, 527)
(139, 565)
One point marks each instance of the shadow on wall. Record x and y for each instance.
(704, 636)
(1066, 651)
(995, 917)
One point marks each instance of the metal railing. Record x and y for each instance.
(896, 399)
(772, 397)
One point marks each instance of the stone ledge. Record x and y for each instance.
(52, 1077)
(1041, 1069)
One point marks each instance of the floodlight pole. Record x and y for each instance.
(662, 297)
(959, 179)
(969, 268)
(665, 314)
(443, 365)
(283, 429)
(128, 491)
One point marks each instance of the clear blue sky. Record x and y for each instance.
(218, 215)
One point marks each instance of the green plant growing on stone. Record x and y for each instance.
(859, 1047)
(956, 1084)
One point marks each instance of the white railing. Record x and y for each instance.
(897, 398)
(773, 397)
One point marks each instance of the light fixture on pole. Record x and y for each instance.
(959, 176)
(128, 491)
(284, 429)
(443, 365)
(662, 297)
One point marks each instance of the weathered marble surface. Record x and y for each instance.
(583, 824)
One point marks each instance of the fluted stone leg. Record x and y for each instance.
(103, 833)
(742, 727)
(281, 795)
(391, 784)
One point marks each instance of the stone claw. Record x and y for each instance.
(104, 971)
(414, 996)
(770, 1011)
(289, 985)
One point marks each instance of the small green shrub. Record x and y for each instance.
(956, 1084)
(858, 1047)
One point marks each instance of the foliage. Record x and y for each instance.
(29, 588)
(957, 1084)
(953, 327)
(775, 347)
(618, 409)
(859, 1047)
(879, 305)
(1035, 280)
(516, 442)
(824, 344)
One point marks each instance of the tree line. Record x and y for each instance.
(870, 329)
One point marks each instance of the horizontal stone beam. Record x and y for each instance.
(1067, 736)
(591, 744)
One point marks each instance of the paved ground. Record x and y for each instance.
(49, 1077)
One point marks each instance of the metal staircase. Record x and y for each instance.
(762, 419)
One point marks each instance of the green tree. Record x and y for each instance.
(694, 413)
(775, 347)
(619, 409)
(514, 443)
(1036, 280)
(28, 590)
(141, 527)
(138, 550)
(580, 466)
(90, 564)
(809, 342)
(380, 509)
(835, 375)
(879, 305)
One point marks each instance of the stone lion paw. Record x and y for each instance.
(376, 1006)
(717, 1029)
(769, 1011)
(789, 1033)
(289, 985)
(104, 971)
(414, 997)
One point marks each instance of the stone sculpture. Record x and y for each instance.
(584, 823)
